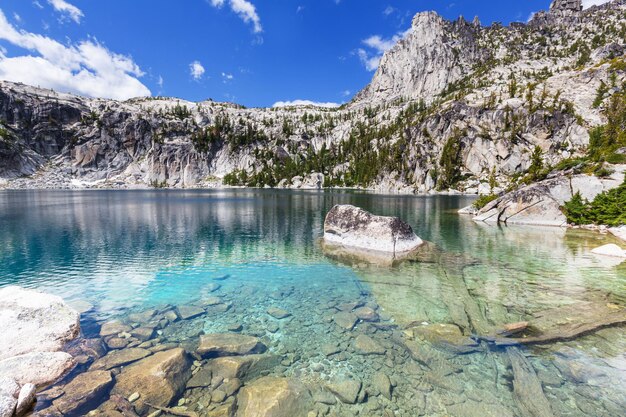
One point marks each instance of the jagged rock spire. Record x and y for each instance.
(566, 6)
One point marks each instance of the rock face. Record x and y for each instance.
(540, 203)
(426, 61)
(159, 378)
(564, 6)
(353, 227)
(34, 322)
(274, 397)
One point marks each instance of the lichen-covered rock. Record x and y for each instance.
(159, 378)
(274, 397)
(353, 227)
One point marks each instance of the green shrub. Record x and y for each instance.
(608, 208)
(483, 200)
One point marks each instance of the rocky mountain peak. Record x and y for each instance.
(432, 55)
(566, 6)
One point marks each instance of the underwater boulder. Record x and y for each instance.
(274, 397)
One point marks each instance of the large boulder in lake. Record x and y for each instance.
(274, 397)
(366, 235)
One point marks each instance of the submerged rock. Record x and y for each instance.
(365, 345)
(83, 391)
(159, 379)
(34, 322)
(382, 384)
(347, 390)
(345, 320)
(610, 250)
(274, 397)
(247, 366)
(120, 357)
(114, 328)
(278, 313)
(189, 312)
(228, 344)
(352, 227)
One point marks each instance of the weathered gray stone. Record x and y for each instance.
(352, 227)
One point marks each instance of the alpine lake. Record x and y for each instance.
(438, 335)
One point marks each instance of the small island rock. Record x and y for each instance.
(350, 226)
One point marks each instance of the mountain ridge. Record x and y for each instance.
(454, 105)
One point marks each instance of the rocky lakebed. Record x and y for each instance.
(429, 334)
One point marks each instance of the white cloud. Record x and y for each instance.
(160, 81)
(17, 18)
(588, 3)
(388, 10)
(87, 68)
(294, 103)
(377, 47)
(244, 9)
(227, 77)
(346, 93)
(370, 62)
(196, 70)
(72, 11)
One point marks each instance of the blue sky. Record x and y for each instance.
(253, 52)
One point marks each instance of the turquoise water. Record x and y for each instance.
(112, 253)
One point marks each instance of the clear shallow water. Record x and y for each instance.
(127, 251)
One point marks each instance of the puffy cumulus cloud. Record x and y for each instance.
(196, 70)
(87, 68)
(376, 47)
(588, 3)
(244, 9)
(301, 103)
(68, 9)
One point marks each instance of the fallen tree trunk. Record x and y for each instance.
(529, 395)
